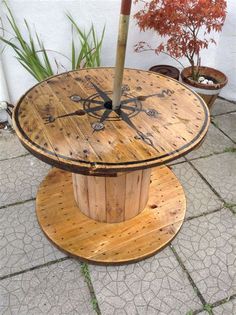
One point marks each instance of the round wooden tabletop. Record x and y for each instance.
(67, 121)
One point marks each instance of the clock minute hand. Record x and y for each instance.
(163, 93)
(126, 119)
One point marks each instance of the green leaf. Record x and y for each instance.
(26, 50)
(89, 53)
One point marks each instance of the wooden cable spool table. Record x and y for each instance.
(115, 207)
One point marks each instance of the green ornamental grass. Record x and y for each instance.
(33, 56)
(89, 54)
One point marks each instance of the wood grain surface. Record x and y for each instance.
(160, 120)
(110, 243)
(112, 199)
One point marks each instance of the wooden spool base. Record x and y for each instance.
(110, 243)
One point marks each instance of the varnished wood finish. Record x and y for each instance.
(112, 199)
(113, 243)
(70, 143)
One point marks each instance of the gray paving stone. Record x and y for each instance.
(215, 142)
(200, 198)
(228, 308)
(220, 172)
(207, 248)
(222, 106)
(53, 290)
(227, 123)
(10, 146)
(156, 285)
(20, 178)
(22, 243)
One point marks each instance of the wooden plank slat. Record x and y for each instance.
(132, 194)
(97, 198)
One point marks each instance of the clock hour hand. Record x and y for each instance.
(51, 119)
(77, 99)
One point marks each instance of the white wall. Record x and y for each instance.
(48, 17)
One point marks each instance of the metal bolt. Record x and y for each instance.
(151, 112)
(98, 126)
(75, 98)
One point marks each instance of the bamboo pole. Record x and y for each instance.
(120, 53)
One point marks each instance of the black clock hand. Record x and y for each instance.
(105, 115)
(126, 119)
(77, 99)
(94, 109)
(51, 119)
(103, 95)
(144, 97)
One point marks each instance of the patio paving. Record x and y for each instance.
(226, 308)
(193, 275)
(207, 248)
(220, 172)
(226, 123)
(20, 178)
(215, 142)
(200, 197)
(222, 106)
(10, 146)
(54, 289)
(157, 285)
(23, 245)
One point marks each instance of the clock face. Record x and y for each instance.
(68, 120)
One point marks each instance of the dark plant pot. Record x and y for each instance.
(167, 70)
(208, 92)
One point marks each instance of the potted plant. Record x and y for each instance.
(187, 25)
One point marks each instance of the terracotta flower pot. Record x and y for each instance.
(208, 92)
(167, 70)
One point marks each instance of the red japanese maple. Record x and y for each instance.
(186, 24)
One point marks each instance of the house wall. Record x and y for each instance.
(48, 17)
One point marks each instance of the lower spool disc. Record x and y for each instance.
(110, 243)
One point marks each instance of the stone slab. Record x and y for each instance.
(207, 247)
(53, 290)
(156, 285)
(215, 142)
(220, 171)
(20, 178)
(22, 243)
(228, 308)
(227, 124)
(200, 198)
(10, 146)
(223, 106)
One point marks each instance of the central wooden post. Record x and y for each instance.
(120, 53)
(112, 199)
